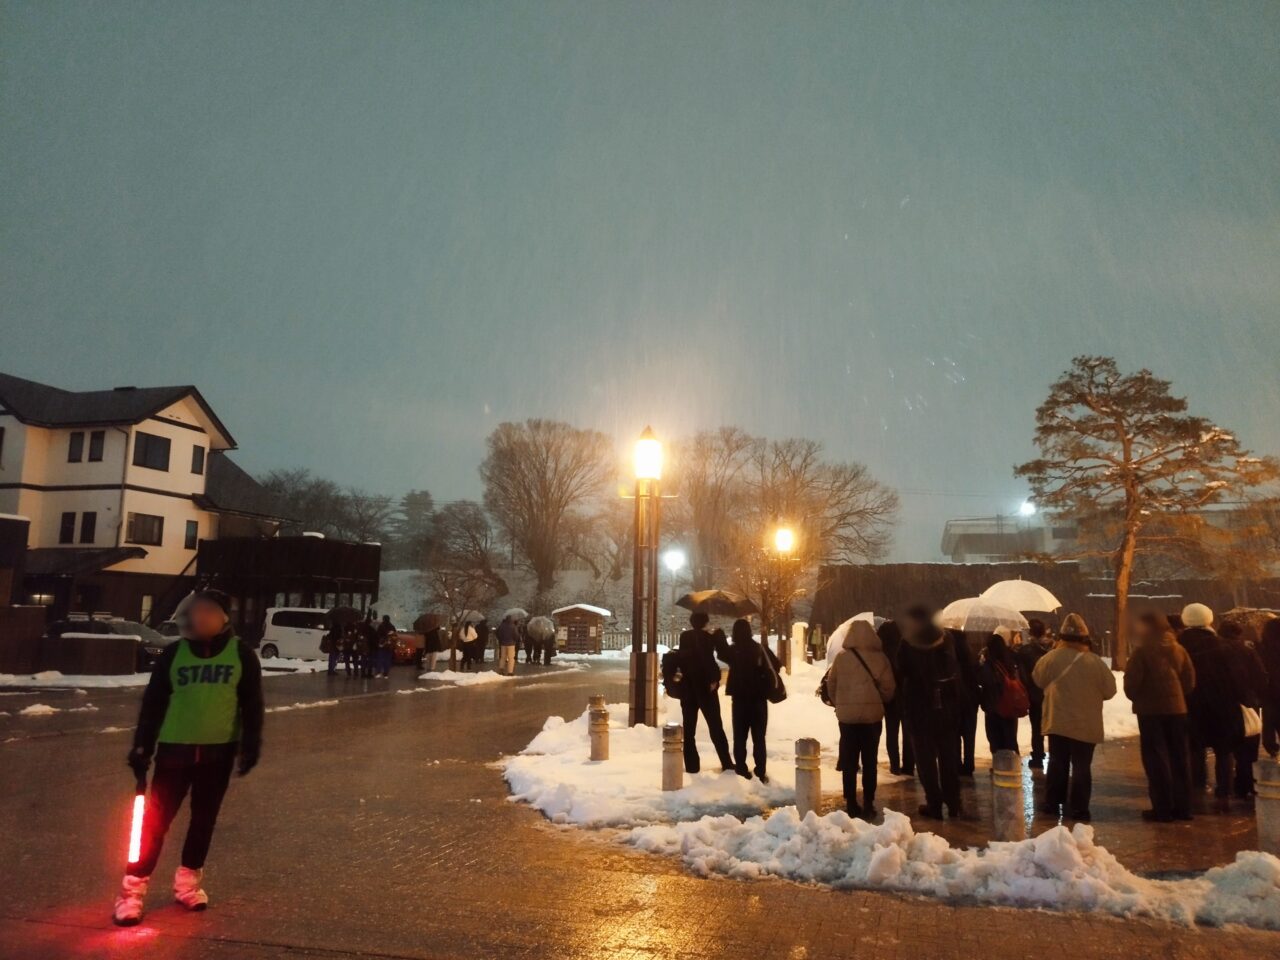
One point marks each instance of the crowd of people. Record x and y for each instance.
(1194, 689)
(364, 648)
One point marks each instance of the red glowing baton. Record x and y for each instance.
(135, 827)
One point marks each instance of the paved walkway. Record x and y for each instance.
(379, 827)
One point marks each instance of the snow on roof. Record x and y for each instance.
(601, 611)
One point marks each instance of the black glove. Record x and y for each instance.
(138, 761)
(248, 760)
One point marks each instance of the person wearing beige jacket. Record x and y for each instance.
(859, 684)
(1075, 682)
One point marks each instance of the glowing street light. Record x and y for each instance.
(1027, 509)
(674, 559)
(648, 456)
(784, 540)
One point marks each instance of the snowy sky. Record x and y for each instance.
(371, 231)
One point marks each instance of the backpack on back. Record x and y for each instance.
(1014, 703)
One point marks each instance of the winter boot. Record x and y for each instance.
(128, 911)
(187, 890)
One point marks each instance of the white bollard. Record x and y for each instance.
(598, 728)
(1007, 809)
(1266, 775)
(672, 757)
(808, 775)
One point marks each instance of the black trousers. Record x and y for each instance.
(1002, 733)
(968, 737)
(937, 754)
(1224, 755)
(859, 746)
(750, 716)
(207, 782)
(1246, 757)
(708, 704)
(1069, 779)
(894, 719)
(1167, 762)
(1037, 734)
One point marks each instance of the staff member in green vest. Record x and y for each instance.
(202, 707)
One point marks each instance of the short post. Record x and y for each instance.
(1008, 812)
(598, 727)
(672, 757)
(808, 775)
(1266, 774)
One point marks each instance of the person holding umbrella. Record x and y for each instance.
(202, 709)
(699, 647)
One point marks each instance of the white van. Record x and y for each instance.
(293, 632)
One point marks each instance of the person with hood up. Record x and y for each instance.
(699, 647)
(932, 706)
(901, 760)
(859, 684)
(1213, 708)
(1036, 645)
(1075, 682)
(753, 676)
(1158, 679)
(997, 667)
(201, 709)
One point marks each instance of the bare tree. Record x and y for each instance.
(537, 474)
(1121, 457)
(461, 574)
(708, 470)
(367, 516)
(311, 503)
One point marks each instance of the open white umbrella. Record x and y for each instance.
(1020, 595)
(836, 641)
(976, 615)
(516, 613)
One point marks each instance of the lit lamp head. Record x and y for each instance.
(784, 540)
(648, 456)
(1027, 509)
(674, 560)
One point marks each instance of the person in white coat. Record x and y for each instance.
(859, 684)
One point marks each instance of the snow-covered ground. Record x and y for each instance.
(1060, 869)
(53, 680)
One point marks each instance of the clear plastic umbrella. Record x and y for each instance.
(836, 640)
(516, 613)
(1020, 595)
(976, 615)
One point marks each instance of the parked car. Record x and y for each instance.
(151, 643)
(293, 632)
(407, 646)
(169, 629)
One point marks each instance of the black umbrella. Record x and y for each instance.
(340, 616)
(718, 603)
(426, 622)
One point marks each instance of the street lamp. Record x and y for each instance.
(644, 585)
(784, 542)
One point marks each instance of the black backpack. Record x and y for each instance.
(673, 673)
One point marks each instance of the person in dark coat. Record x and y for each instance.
(1269, 652)
(1214, 705)
(753, 672)
(931, 704)
(432, 647)
(995, 668)
(1158, 679)
(699, 647)
(1253, 685)
(900, 762)
(386, 633)
(481, 642)
(367, 644)
(966, 653)
(1036, 645)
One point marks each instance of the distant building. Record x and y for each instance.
(1001, 539)
(120, 487)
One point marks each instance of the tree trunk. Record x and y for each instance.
(1124, 575)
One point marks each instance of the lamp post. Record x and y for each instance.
(784, 542)
(644, 584)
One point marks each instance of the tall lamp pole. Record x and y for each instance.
(784, 542)
(644, 584)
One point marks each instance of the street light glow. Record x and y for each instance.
(648, 456)
(784, 539)
(1027, 509)
(674, 559)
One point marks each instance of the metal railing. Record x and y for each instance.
(621, 639)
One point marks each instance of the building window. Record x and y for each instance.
(193, 535)
(197, 459)
(145, 529)
(67, 528)
(97, 440)
(88, 526)
(144, 610)
(150, 451)
(75, 449)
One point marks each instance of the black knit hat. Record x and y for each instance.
(214, 596)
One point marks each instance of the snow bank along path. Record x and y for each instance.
(1059, 869)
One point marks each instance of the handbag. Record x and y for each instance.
(824, 693)
(778, 692)
(1252, 721)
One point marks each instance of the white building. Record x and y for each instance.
(120, 487)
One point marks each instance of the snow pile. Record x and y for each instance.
(38, 710)
(1059, 869)
(308, 705)
(55, 680)
(460, 679)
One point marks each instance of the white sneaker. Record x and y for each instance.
(128, 911)
(187, 890)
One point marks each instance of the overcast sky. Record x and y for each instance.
(370, 231)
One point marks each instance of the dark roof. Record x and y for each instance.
(229, 489)
(71, 561)
(46, 406)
